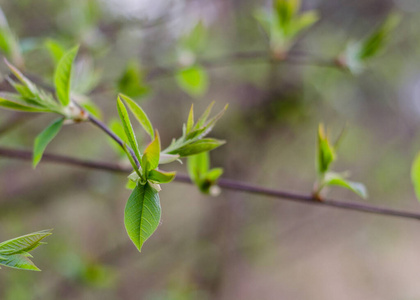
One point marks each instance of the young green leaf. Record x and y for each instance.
(25, 81)
(55, 49)
(44, 138)
(139, 114)
(190, 122)
(193, 80)
(167, 158)
(159, 176)
(150, 159)
(198, 166)
(326, 152)
(198, 147)
(142, 214)
(23, 243)
(128, 128)
(14, 253)
(415, 175)
(15, 102)
(62, 76)
(203, 118)
(332, 178)
(214, 174)
(18, 261)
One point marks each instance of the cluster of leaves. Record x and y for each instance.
(325, 157)
(14, 253)
(143, 211)
(30, 98)
(284, 24)
(358, 53)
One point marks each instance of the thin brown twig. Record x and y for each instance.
(224, 183)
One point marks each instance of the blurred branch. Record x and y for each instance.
(224, 183)
(248, 57)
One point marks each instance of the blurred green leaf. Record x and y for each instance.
(195, 40)
(193, 80)
(142, 214)
(55, 49)
(415, 175)
(131, 82)
(139, 114)
(332, 178)
(92, 108)
(198, 165)
(44, 138)
(326, 152)
(14, 102)
(62, 76)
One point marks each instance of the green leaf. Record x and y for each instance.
(159, 176)
(377, 40)
(142, 214)
(128, 128)
(203, 118)
(326, 152)
(44, 138)
(167, 158)
(62, 76)
(190, 122)
(139, 114)
(193, 80)
(131, 82)
(14, 252)
(55, 49)
(195, 40)
(92, 108)
(18, 261)
(150, 159)
(332, 178)
(415, 175)
(14, 102)
(25, 81)
(214, 174)
(198, 147)
(23, 243)
(198, 166)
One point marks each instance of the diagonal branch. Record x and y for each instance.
(224, 183)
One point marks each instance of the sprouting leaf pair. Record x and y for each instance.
(143, 211)
(201, 174)
(284, 24)
(30, 98)
(356, 54)
(326, 155)
(14, 253)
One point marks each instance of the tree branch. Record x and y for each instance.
(224, 183)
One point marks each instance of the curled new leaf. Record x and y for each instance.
(159, 176)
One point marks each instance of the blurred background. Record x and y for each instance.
(234, 246)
